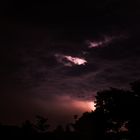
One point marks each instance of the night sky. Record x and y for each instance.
(54, 57)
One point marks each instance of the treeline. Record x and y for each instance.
(116, 117)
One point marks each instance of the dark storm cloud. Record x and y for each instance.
(33, 81)
(36, 49)
(46, 77)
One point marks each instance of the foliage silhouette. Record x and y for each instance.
(27, 128)
(42, 125)
(116, 115)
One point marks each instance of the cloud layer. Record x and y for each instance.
(43, 73)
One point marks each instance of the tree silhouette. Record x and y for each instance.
(134, 123)
(114, 105)
(59, 129)
(42, 124)
(111, 117)
(116, 115)
(28, 128)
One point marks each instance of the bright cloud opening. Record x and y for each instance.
(68, 60)
(76, 60)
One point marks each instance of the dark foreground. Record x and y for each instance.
(116, 117)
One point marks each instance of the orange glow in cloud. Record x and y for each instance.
(84, 105)
(81, 105)
(60, 109)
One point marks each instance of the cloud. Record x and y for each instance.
(73, 73)
(105, 40)
(76, 60)
(69, 61)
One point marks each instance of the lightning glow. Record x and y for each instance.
(82, 105)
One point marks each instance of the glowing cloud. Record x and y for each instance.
(103, 42)
(94, 44)
(76, 60)
(68, 60)
(83, 105)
